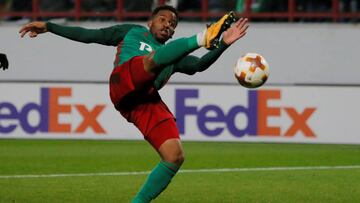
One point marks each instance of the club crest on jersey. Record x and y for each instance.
(144, 46)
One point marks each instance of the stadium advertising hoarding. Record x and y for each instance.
(204, 113)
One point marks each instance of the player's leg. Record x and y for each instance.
(161, 176)
(169, 53)
(172, 151)
(175, 50)
(165, 139)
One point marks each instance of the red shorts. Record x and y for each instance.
(163, 131)
(134, 96)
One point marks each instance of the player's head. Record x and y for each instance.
(163, 22)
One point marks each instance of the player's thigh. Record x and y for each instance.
(150, 65)
(129, 77)
(165, 138)
(141, 77)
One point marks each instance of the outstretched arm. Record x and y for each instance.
(189, 65)
(192, 64)
(106, 36)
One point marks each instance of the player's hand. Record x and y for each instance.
(33, 28)
(236, 31)
(4, 63)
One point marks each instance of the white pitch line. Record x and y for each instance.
(295, 168)
(216, 170)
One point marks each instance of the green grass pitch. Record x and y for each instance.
(44, 157)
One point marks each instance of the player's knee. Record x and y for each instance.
(149, 63)
(180, 159)
(177, 158)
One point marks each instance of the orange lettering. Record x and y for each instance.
(89, 118)
(264, 112)
(55, 109)
(299, 123)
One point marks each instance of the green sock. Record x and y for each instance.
(157, 181)
(175, 50)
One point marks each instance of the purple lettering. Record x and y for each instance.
(204, 118)
(180, 109)
(214, 114)
(13, 114)
(23, 114)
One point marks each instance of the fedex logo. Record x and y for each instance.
(257, 113)
(49, 110)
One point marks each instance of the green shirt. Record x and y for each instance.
(137, 41)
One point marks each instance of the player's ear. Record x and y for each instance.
(149, 22)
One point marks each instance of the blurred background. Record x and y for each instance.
(295, 139)
(196, 10)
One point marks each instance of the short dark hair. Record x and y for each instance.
(166, 7)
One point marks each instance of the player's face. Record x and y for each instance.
(162, 25)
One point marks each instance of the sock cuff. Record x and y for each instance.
(171, 167)
(200, 38)
(193, 42)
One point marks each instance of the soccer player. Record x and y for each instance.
(143, 64)
(4, 63)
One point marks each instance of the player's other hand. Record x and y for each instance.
(33, 28)
(236, 31)
(4, 63)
